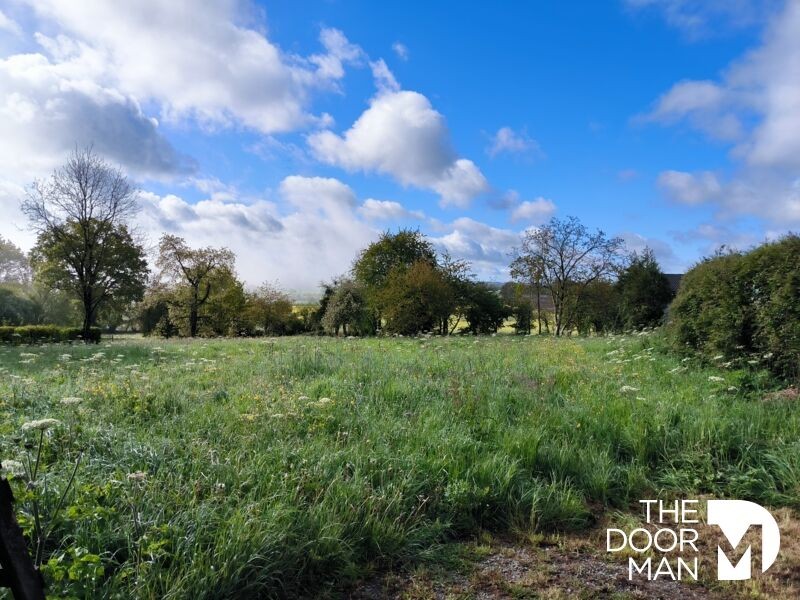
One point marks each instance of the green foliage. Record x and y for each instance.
(744, 307)
(117, 273)
(270, 311)
(15, 307)
(393, 252)
(597, 310)
(485, 311)
(347, 307)
(415, 299)
(643, 292)
(39, 334)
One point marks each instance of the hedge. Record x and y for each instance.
(37, 334)
(744, 305)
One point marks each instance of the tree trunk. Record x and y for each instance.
(88, 316)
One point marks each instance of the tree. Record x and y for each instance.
(565, 257)
(192, 271)
(225, 311)
(416, 299)
(486, 311)
(643, 291)
(84, 245)
(390, 255)
(346, 307)
(14, 265)
(528, 269)
(272, 310)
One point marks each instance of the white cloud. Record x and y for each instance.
(705, 105)
(664, 253)
(689, 188)
(402, 135)
(512, 142)
(387, 210)
(384, 78)
(401, 50)
(47, 108)
(700, 19)
(533, 211)
(201, 63)
(9, 25)
(315, 239)
(755, 105)
(487, 248)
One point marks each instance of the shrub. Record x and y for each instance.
(38, 334)
(744, 305)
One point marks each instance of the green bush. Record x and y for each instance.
(744, 305)
(37, 334)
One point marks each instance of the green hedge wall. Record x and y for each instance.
(38, 334)
(744, 304)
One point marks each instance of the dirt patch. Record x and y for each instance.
(575, 566)
(551, 570)
(788, 394)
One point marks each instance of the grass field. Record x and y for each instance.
(242, 468)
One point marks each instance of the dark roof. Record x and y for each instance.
(674, 280)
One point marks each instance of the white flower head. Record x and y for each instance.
(628, 388)
(13, 467)
(40, 425)
(71, 400)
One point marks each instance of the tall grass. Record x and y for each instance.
(269, 468)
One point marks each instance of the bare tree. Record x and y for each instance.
(565, 257)
(193, 267)
(80, 214)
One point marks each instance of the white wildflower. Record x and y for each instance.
(40, 424)
(69, 400)
(13, 467)
(716, 378)
(628, 388)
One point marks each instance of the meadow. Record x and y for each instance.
(280, 467)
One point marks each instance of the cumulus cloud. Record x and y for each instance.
(487, 248)
(664, 253)
(403, 136)
(512, 142)
(755, 106)
(387, 210)
(690, 188)
(705, 105)
(204, 64)
(533, 211)
(48, 107)
(310, 233)
(9, 25)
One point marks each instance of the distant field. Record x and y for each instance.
(236, 468)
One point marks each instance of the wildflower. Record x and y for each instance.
(628, 388)
(719, 357)
(40, 424)
(733, 388)
(71, 400)
(716, 378)
(137, 476)
(13, 467)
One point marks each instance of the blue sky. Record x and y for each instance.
(293, 132)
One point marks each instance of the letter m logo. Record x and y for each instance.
(734, 518)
